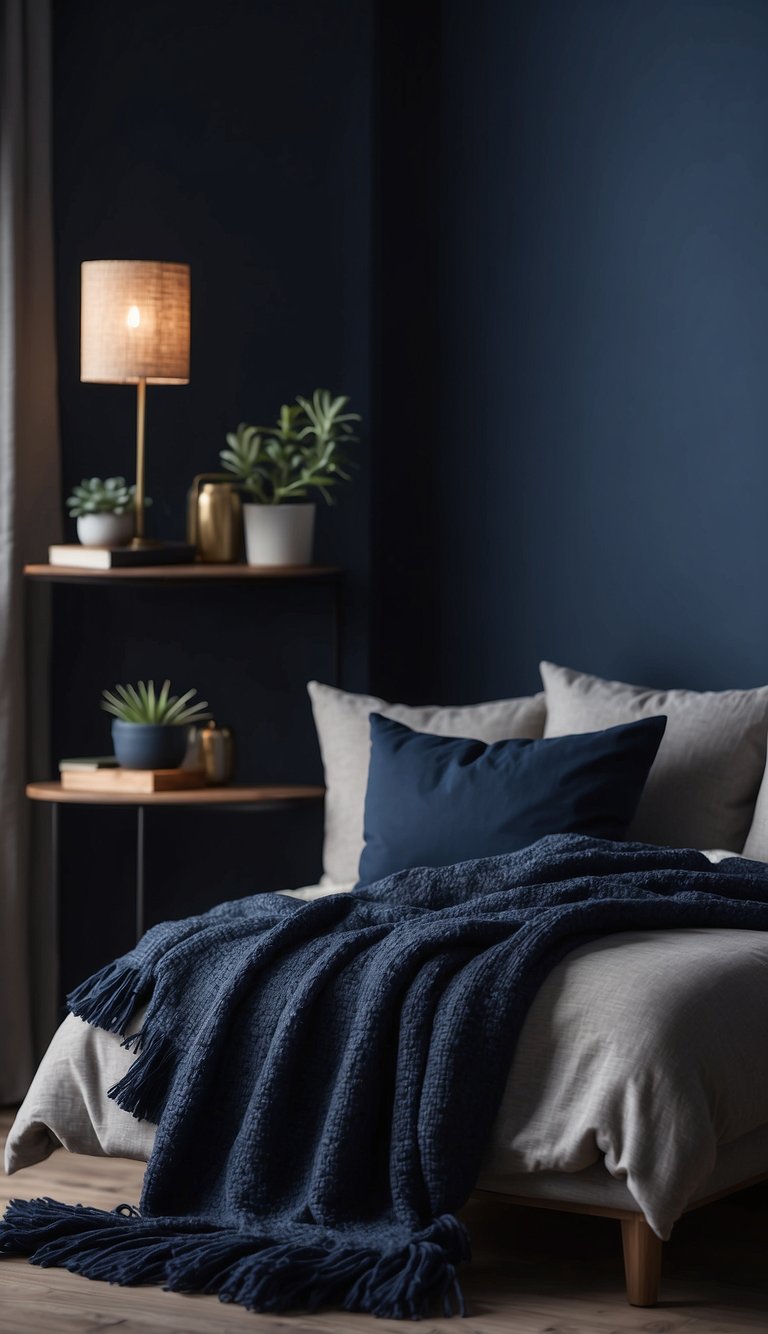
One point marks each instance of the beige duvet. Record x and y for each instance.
(644, 1053)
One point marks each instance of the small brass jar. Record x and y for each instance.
(218, 749)
(214, 519)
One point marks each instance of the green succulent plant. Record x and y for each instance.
(302, 452)
(94, 496)
(143, 704)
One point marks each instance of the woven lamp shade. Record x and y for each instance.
(134, 322)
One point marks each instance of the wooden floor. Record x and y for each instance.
(534, 1272)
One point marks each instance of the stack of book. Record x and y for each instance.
(102, 773)
(76, 557)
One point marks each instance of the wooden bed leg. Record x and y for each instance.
(642, 1261)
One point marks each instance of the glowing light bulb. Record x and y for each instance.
(133, 319)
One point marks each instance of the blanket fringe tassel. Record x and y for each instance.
(143, 1089)
(109, 997)
(108, 1000)
(257, 1271)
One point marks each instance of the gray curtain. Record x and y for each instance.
(29, 484)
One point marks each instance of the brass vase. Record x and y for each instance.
(214, 518)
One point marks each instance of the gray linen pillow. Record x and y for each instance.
(756, 845)
(343, 731)
(704, 782)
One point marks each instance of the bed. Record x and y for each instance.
(626, 1097)
(639, 1085)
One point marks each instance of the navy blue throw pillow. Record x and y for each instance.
(433, 800)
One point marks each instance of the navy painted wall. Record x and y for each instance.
(601, 483)
(236, 137)
(405, 321)
(549, 242)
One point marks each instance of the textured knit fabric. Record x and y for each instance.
(352, 1053)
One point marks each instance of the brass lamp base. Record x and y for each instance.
(141, 399)
(173, 552)
(143, 543)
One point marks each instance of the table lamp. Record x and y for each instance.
(134, 329)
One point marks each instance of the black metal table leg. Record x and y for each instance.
(139, 872)
(56, 896)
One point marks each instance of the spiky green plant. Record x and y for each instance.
(94, 496)
(143, 704)
(303, 452)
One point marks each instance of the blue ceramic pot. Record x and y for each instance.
(148, 745)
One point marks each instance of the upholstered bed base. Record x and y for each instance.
(742, 1163)
(641, 1247)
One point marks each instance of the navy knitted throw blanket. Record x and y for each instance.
(325, 1075)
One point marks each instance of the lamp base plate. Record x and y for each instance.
(145, 543)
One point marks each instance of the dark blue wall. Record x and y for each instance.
(601, 481)
(405, 319)
(236, 137)
(529, 237)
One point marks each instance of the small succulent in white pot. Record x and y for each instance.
(281, 467)
(149, 727)
(104, 511)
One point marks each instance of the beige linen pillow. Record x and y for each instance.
(704, 782)
(343, 731)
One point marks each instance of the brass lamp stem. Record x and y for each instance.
(141, 402)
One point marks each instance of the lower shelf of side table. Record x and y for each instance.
(234, 797)
(235, 794)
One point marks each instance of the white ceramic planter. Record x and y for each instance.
(105, 530)
(279, 534)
